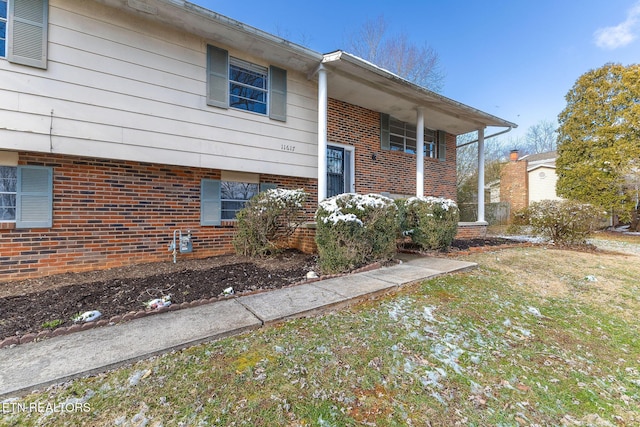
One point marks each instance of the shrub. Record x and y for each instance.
(431, 222)
(268, 220)
(564, 222)
(354, 230)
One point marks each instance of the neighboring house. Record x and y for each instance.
(124, 121)
(526, 179)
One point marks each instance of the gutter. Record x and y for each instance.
(509, 129)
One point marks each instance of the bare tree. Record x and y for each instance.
(495, 152)
(541, 137)
(397, 54)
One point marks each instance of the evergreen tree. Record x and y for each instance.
(599, 139)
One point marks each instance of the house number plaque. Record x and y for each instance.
(285, 147)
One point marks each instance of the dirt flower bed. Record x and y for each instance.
(38, 308)
(36, 305)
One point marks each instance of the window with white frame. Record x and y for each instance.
(247, 86)
(26, 196)
(4, 7)
(401, 136)
(220, 200)
(239, 84)
(8, 193)
(234, 195)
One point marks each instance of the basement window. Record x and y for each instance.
(8, 193)
(234, 195)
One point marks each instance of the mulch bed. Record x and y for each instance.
(34, 309)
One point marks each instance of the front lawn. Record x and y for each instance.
(535, 336)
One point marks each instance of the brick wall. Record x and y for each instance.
(471, 230)
(391, 171)
(514, 185)
(110, 213)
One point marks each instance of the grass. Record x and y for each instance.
(526, 339)
(52, 323)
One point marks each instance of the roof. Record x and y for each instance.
(535, 161)
(549, 156)
(351, 79)
(222, 30)
(354, 80)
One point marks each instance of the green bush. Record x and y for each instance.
(431, 222)
(267, 221)
(354, 230)
(565, 222)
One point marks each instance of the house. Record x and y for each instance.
(125, 121)
(526, 179)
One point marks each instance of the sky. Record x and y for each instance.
(515, 59)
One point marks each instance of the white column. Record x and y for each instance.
(481, 175)
(322, 133)
(420, 152)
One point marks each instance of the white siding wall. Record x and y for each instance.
(119, 87)
(542, 184)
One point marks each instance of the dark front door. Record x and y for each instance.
(335, 171)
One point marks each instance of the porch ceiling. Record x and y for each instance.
(353, 80)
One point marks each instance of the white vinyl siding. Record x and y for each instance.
(133, 90)
(542, 184)
(26, 32)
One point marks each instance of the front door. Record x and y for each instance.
(338, 170)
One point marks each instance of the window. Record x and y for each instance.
(23, 31)
(233, 196)
(247, 86)
(26, 196)
(234, 83)
(396, 135)
(8, 185)
(221, 200)
(3, 28)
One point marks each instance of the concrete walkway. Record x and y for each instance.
(39, 364)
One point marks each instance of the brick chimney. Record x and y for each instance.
(514, 182)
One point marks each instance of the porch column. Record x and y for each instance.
(420, 152)
(322, 133)
(481, 175)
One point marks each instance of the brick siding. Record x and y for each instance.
(514, 186)
(109, 213)
(391, 171)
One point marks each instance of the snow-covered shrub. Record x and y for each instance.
(268, 220)
(354, 230)
(564, 222)
(430, 222)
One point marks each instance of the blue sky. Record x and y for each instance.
(515, 59)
